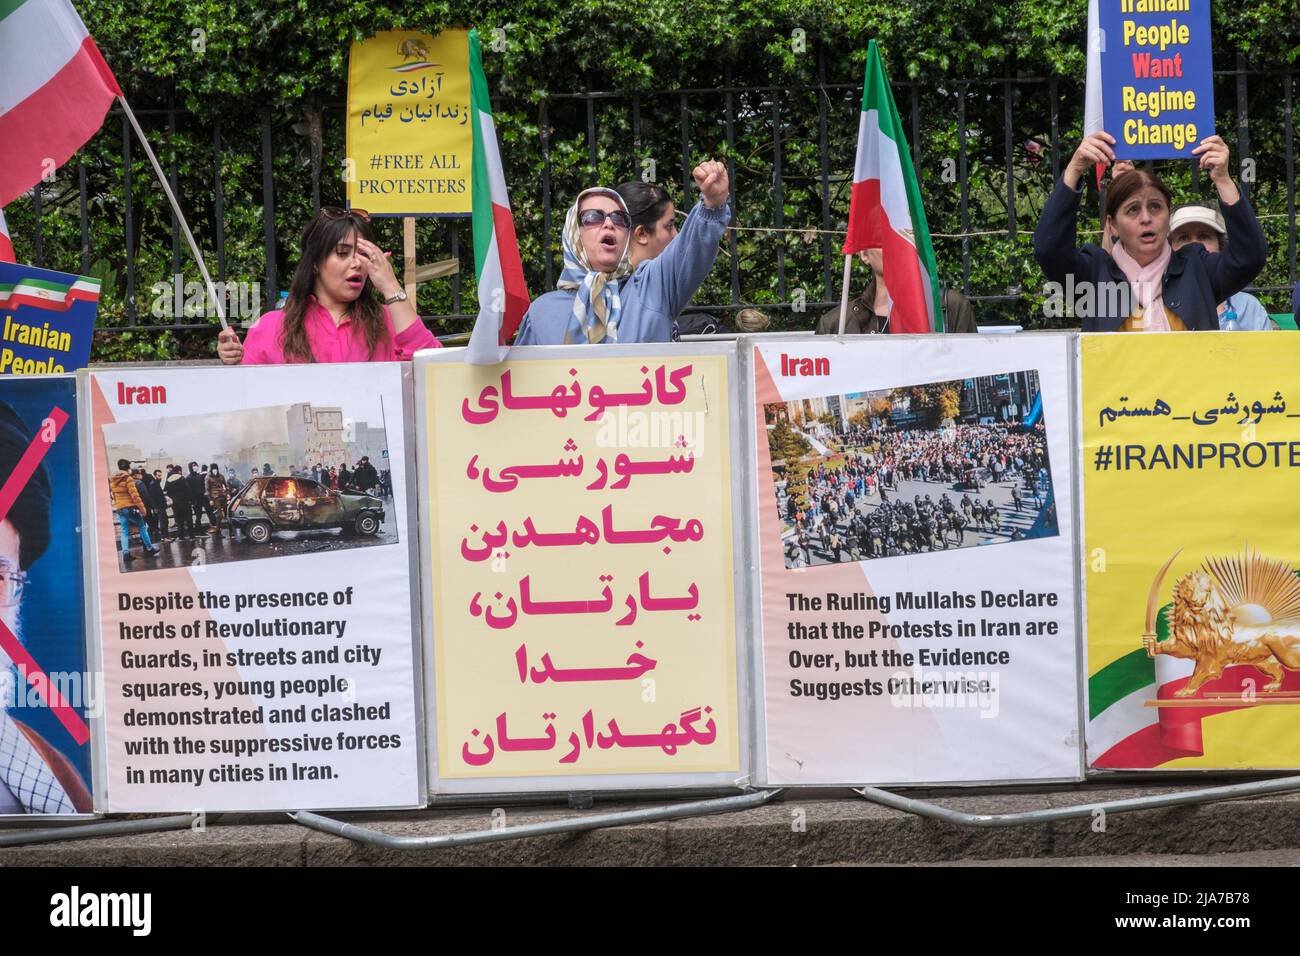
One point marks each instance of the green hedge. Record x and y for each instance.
(290, 56)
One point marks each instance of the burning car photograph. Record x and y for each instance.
(248, 484)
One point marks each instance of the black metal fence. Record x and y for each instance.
(782, 254)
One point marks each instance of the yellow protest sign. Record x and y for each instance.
(1190, 445)
(409, 138)
(580, 546)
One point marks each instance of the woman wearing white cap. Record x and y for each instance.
(1241, 311)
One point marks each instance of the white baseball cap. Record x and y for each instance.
(1186, 215)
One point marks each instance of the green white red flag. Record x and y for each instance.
(885, 211)
(502, 292)
(51, 296)
(1126, 733)
(54, 90)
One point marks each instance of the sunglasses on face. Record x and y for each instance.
(594, 219)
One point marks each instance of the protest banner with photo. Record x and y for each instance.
(1190, 451)
(409, 138)
(914, 536)
(1156, 76)
(47, 320)
(48, 694)
(254, 571)
(581, 592)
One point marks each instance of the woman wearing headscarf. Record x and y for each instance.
(1165, 289)
(600, 297)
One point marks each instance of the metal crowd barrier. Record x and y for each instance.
(694, 809)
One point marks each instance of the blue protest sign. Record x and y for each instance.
(47, 320)
(1157, 76)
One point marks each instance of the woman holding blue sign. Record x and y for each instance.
(1142, 284)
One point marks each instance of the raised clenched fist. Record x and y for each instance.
(711, 179)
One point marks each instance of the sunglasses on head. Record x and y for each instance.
(334, 212)
(594, 218)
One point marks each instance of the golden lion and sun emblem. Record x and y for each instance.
(413, 48)
(1243, 609)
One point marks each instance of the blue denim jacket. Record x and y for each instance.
(652, 296)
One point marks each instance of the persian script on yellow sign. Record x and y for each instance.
(584, 615)
(410, 141)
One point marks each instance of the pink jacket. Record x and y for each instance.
(331, 343)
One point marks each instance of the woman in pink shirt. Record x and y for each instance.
(331, 315)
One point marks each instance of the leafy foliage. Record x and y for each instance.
(940, 401)
(249, 66)
(786, 443)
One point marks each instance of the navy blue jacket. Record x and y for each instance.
(1195, 282)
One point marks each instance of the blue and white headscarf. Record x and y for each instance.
(597, 307)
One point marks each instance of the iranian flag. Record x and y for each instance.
(6, 247)
(54, 90)
(885, 211)
(502, 294)
(39, 293)
(1137, 721)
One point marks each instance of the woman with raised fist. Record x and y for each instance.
(602, 296)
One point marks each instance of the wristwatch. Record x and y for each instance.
(399, 296)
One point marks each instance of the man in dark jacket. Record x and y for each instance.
(178, 490)
(197, 480)
(868, 313)
(157, 500)
(157, 514)
(365, 477)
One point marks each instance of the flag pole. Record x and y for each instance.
(180, 216)
(844, 295)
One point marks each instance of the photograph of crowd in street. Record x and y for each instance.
(913, 469)
(249, 483)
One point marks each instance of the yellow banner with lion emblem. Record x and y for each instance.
(1191, 455)
(410, 141)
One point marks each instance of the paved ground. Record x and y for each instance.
(208, 549)
(1011, 519)
(807, 828)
